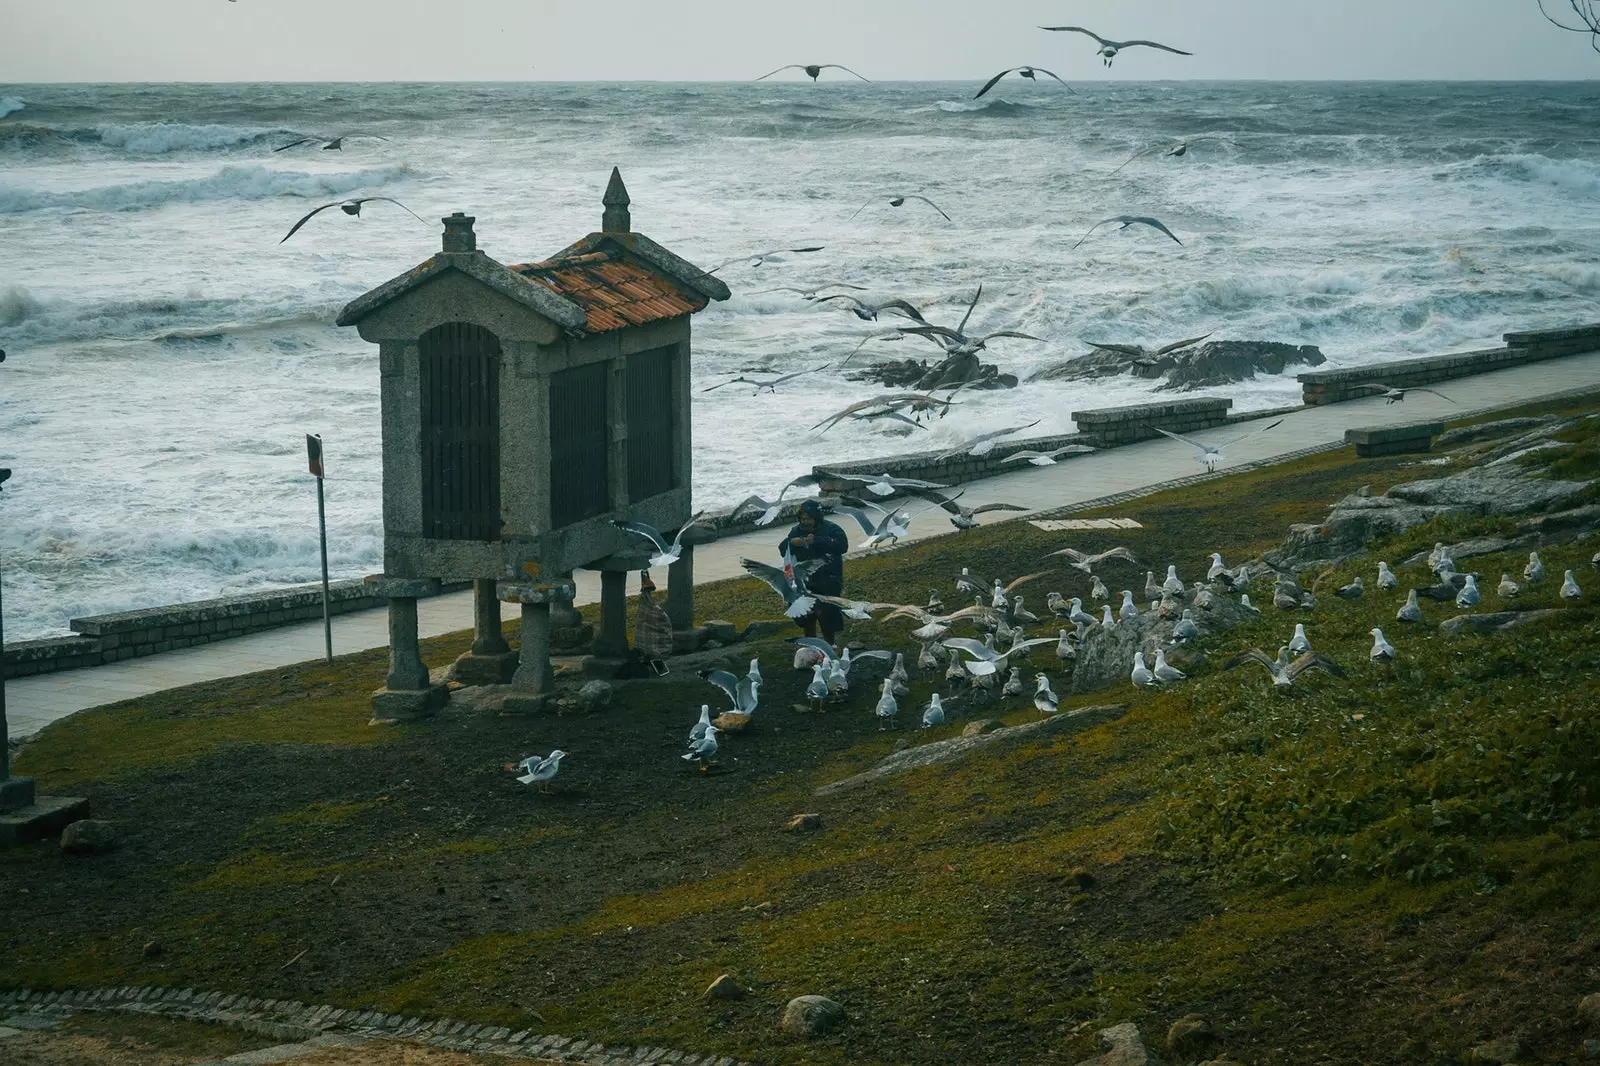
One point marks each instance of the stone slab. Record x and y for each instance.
(1063, 525)
(401, 705)
(401, 588)
(471, 669)
(1410, 431)
(16, 793)
(47, 817)
(522, 592)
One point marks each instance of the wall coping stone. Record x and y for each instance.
(1145, 411)
(1540, 336)
(1384, 434)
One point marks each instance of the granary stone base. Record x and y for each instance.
(602, 667)
(472, 668)
(45, 817)
(571, 640)
(528, 703)
(400, 705)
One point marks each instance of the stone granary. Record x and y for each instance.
(524, 408)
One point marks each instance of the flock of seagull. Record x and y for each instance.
(989, 665)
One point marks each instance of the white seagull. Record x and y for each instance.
(1131, 220)
(887, 707)
(1128, 610)
(1386, 578)
(1108, 48)
(666, 554)
(1507, 588)
(1210, 455)
(704, 750)
(1141, 676)
(1043, 698)
(1164, 672)
(1048, 458)
(1534, 571)
(1570, 589)
(1185, 630)
(1382, 650)
(541, 771)
(1409, 611)
(1299, 644)
(1468, 596)
(933, 713)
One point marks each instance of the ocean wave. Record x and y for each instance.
(10, 105)
(230, 183)
(26, 319)
(177, 137)
(987, 107)
(1569, 175)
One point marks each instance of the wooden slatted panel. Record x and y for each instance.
(650, 424)
(579, 444)
(460, 382)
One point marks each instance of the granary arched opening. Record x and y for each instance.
(460, 439)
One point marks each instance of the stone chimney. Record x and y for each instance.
(616, 218)
(458, 235)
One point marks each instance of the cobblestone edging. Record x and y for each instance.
(294, 1022)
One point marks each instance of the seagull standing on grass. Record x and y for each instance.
(1299, 643)
(541, 771)
(1164, 672)
(1409, 611)
(888, 706)
(1468, 596)
(1382, 650)
(1386, 578)
(1352, 591)
(1043, 698)
(1507, 588)
(933, 713)
(1570, 589)
(1534, 571)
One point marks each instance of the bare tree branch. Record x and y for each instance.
(1588, 15)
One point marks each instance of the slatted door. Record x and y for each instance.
(580, 444)
(460, 432)
(651, 422)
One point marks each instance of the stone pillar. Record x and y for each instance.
(491, 660)
(407, 692)
(569, 633)
(534, 674)
(612, 640)
(680, 590)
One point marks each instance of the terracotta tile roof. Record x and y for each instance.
(613, 292)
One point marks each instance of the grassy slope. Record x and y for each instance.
(1384, 868)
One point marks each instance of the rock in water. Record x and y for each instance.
(88, 837)
(1205, 365)
(811, 1016)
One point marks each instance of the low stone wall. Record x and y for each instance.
(1334, 386)
(1109, 426)
(936, 466)
(107, 638)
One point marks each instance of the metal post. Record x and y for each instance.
(314, 459)
(5, 736)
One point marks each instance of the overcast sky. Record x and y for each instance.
(708, 40)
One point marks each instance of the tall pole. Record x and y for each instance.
(314, 459)
(5, 735)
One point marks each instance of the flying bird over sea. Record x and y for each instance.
(883, 524)
(328, 145)
(812, 70)
(1022, 72)
(899, 199)
(983, 443)
(1392, 394)
(1177, 150)
(349, 207)
(869, 312)
(770, 508)
(1048, 458)
(809, 293)
(771, 385)
(666, 553)
(758, 258)
(1138, 352)
(1210, 455)
(1108, 49)
(889, 400)
(886, 484)
(1130, 220)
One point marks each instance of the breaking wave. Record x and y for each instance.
(10, 105)
(230, 183)
(178, 137)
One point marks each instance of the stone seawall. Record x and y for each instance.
(1334, 386)
(107, 638)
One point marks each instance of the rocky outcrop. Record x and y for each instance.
(1123, 1047)
(1496, 621)
(810, 1016)
(1488, 430)
(1106, 656)
(1205, 365)
(88, 836)
(964, 369)
(942, 752)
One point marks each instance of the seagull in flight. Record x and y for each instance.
(898, 200)
(770, 386)
(788, 581)
(1130, 220)
(1176, 151)
(666, 554)
(984, 443)
(1023, 72)
(1391, 394)
(811, 69)
(962, 517)
(1210, 455)
(770, 508)
(1084, 561)
(761, 257)
(1108, 49)
(1048, 458)
(870, 312)
(349, 207)
(334, 145)
(809, 293)
(1139, 353)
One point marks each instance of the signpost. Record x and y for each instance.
(314, 461)
(5, 739)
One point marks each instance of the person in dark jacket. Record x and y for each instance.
(814, 537)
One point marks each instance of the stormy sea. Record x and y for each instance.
(166, 353)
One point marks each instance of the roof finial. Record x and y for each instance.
(616, 218)
(458, 235)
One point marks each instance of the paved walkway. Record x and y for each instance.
(34, 702)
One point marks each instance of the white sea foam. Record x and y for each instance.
(10, 105)
(252, 182)
(166, 354)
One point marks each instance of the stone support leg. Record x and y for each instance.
(487, 637)
(612, 641)
(407, 693)
(680, 590)
(534, 675)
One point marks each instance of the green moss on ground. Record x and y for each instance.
(1386, 867)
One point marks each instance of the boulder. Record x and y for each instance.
(1190, 1037)
(1587, 517)
(1589, 1011)
(1078, 877)
(1495, 621)
(720, 631)
(1123, 1047)
(1106, 656)
(1484, 494)
(1500, 1051)
(724, 987)
(1202, 366)
(982, 726)
(595, 695)
(1485, 430)
(88, 836)
(809, 1016)
(1468, 549)
(803, 823)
